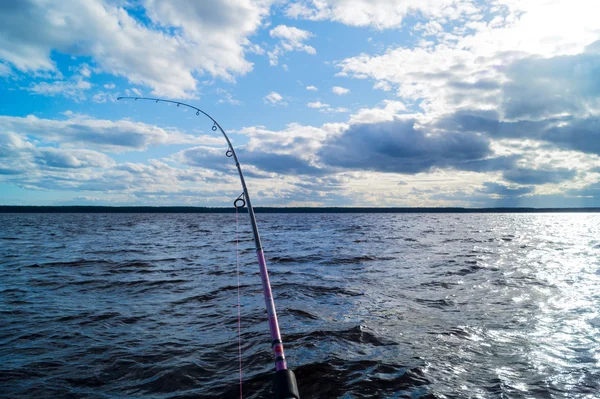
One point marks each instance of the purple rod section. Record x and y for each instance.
(280, 363)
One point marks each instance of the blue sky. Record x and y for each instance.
(329, 102)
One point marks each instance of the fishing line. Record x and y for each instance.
(237, 266)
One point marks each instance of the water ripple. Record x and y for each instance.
(373, 305)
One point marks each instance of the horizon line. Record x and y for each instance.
(275, 209)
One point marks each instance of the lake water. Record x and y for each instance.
(370, 305)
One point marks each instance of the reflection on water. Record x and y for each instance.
(371, 305)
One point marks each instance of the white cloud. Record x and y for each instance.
(317, 104)
(103, 97)
(4, 69)
(334, 110)
(295, 138)
(227, 98)
(72, 158)
(292, 36)
(74, 88)
(135, 91)
(11, 142)
(109, 86)
(311, 88)
(255, 49)
(389, 112)
(466, 70)
(290, 39)
(24, 159)
(82, 131)
(84, 70)
(210, 38)
(340, 91)
(431, 28)
(40, 154)
(274, 98)
(87, 171)
(380, 14)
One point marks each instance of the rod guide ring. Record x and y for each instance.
(237, 201)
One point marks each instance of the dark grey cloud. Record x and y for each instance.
(538, 176)
(524, 197)
(535, 88)
(580, 134)
(549, 99)
(322, 184)
(482, 84)
(399, 147)
(505, 191)
(263, 161)
(205, 157)
(113, 136)
(281, 163)
(591, 191)
(489, 123)
(496, 195)
(543, 87)
(490, 164)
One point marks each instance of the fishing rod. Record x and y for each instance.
(285, 386)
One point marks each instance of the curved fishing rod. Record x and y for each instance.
(285, 381)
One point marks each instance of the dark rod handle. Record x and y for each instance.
(285, 385)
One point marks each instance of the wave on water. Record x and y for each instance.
(370, 305)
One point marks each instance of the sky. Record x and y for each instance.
(378, 103)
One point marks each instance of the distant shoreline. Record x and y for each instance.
(191, 209)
